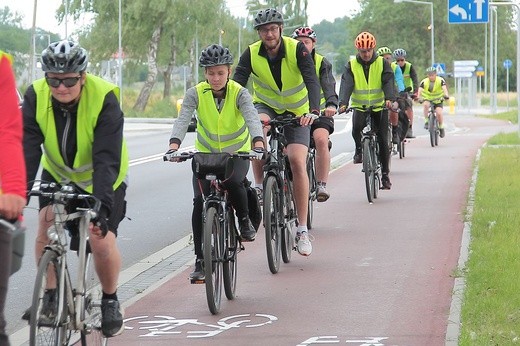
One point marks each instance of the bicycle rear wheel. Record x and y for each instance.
(230, 264)
(311, 173)
(272, 223)
(91, 314)
(213, 252)
(369, 169)
(48, 325)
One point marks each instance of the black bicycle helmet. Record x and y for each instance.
(64, 57)
(268, 16)
(215, 55)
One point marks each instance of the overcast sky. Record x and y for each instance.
(317, 10)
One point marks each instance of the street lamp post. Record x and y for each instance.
(431, 22)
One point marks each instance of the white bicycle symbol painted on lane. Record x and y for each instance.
(153, 326)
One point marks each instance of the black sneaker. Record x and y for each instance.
(358, 158)
(385, 181)
(49, 306)
(111, 318)
(442, 133)
(198, 272)
(247, 231)
(395, 137)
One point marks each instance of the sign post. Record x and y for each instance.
(507, 65)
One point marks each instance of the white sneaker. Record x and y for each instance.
(303, 244)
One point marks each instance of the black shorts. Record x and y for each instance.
(293, 134)
(326, 123)
(118, 209)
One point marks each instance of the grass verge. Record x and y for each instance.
(491, 306)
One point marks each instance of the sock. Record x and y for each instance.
(302, 228)
(321, 183)
(112, 296)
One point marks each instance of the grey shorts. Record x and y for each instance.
(293, 134)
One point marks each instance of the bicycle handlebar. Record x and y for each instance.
(183, 156)
(65, 193)
(7, 224)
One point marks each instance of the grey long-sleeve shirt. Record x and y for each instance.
(328, 84)
(191, 102)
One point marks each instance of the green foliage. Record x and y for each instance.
(490, 313)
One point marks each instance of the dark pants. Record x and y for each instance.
(233, 182)
(380, 121)
(5, 270)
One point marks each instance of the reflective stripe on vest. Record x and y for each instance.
(367, 94)
(293, 97)
(436, 93)
(317, 63)
(223, 131)
(91, 102)
(408, 83)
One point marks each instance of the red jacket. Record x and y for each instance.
(12, 167)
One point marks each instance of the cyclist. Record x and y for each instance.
(322, 129)
(12, 175)
(433, 89)
(410, 82)
(368, 80)
(284, 83)
(386, 53)
(77, 118)
(225, 115)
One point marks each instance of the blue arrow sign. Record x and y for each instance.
(508, 64)
(468, 11)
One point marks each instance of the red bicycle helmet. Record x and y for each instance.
(365, 40)
(304, 31)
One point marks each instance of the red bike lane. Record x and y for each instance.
(379, 274)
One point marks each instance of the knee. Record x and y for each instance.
(103, 247)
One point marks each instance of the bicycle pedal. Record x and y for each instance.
(197, 281)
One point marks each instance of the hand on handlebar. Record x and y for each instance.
(329, 111)
(307, 119)
(173, 156)
(446, 97)
(258, 153)
(100, 223)
(11, 205)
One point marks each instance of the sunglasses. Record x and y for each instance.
(67, 82)
(400, 59)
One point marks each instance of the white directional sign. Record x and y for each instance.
(468, 11)
(464, 68)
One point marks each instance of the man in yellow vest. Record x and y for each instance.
(368, 81)
(12, 176)
(77, 118)
(284, 83)
(433, 89)
(322, 129)
(227, 122)
(410, 82)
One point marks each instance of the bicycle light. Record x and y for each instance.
(52, 233)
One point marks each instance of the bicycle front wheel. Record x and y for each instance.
(290, 220)
(272, 222)
(91, 334)
(369, 169)
(230, 264)
(213, 252)
(48, 324)
(432, 128)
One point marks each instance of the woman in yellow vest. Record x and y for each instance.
(227, 122)
(322, 129)
(77, 118)
(433, 89)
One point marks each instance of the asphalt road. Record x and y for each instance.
(379, 274)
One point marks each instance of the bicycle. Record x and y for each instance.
(370, 152)
(433, 124)
(76, 309)
(221, 239)
(279, 207)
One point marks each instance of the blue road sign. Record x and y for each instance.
(468, 11)
(508, 64)
(440, 68)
